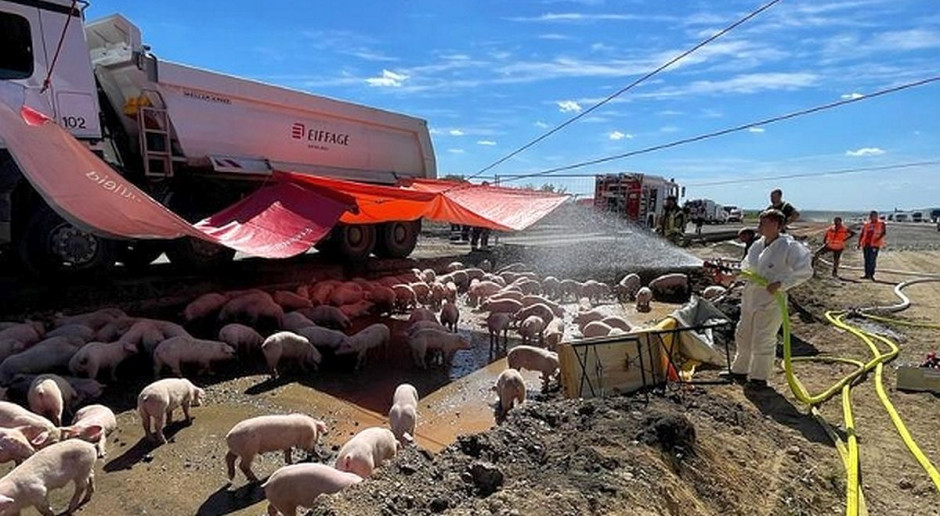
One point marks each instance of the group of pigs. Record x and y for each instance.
(305, 321)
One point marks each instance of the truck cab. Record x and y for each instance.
(45, 65)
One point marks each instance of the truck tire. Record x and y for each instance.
(354, 241)
(139, 254)
(50, 246)
(194, 254)
(397, 239)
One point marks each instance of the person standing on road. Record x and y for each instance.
(777, 203)
(871, 241)
(834, 242)
(785, 263)
(672, 221)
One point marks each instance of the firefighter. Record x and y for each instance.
(672, 221)
(785, 263)
(834, 242)
(777, 203)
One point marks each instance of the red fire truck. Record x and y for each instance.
(637, 197)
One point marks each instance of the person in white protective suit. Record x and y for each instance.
(785, 263)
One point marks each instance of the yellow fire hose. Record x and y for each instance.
(855, 502)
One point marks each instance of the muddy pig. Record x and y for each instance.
(366, 451)
(531, 328)
(299, 485)
(448, 343)
(294, 321)
(158, 400)
(328, 316)
(404, 413)
(510, 387)
(643, 298)
(628, 286)
(498, 323)
(534, 359)
(450, 315)
(48, 355)
(265, 434)
(204, 306)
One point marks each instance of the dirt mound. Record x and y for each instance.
(620, 455)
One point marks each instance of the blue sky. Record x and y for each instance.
(490, 75)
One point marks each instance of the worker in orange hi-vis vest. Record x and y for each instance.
(834, 242)
(871, 241)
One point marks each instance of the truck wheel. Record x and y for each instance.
(52, 246)
(397, 239)
(195, 254)
(354, 241)
(139, 254)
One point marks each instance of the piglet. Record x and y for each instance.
(534, 359)
(371, 337)
(243, 339)
(299, 485)
(672, 284)
(158, 400)
(628, 286)
(15, 445)
(264, 434)
(384, 298)
(531, 329)
(502, 305)
(204, 306)
(48, 396)
(450, 315)
(510, 387)
(328, 316)
(95, 356)
(617, 322)
(95, 320)
(448, 343)
(367, 450)
(92, 423)
(51, 468)
(291, 301)
(643, 298)
(294, 321)
(583, 318)
(286, 345)
(39, 430)
(404, 413)
(25, 332)
(181, 350)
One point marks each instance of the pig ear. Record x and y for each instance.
(321, 427)
(39, 440)
(92, 433)
(130, 347)
(5, 501)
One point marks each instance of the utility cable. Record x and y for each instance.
(742, 127)
(627, 88)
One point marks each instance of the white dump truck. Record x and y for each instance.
(195, 140)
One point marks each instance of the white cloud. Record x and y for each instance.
(669, 129)
(456, 132)
(434, 131)
(913, 39)
(486, 142)
(456, 151)
(755, 129)
(541, 125)
(553, 36)
(852, 96)
(600, 47)
(669, 112)
(617, 135)
(566, 106)
(584, 17)
(388, 79)
(865, 151)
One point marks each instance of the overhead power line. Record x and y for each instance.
(840, 172)
(743, 127)
(629, 87)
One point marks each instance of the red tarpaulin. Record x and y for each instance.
(504, 209)
(277, 221)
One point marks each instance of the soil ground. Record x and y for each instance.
(716, 449)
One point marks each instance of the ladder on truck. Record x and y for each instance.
(156, 149)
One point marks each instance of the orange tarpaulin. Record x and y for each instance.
(505, 209)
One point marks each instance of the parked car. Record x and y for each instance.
(734, 214)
